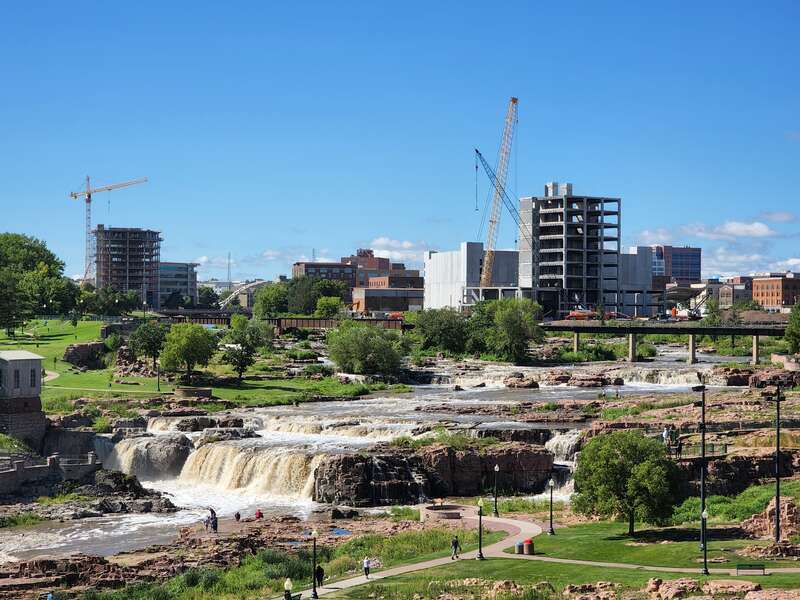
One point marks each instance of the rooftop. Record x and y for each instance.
(7, 355)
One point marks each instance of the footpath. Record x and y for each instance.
(518, 531)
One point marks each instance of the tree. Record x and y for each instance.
(24, 253)
(301, 295)
(713, 316)
(625, 474)
(514, 327)
(441, 329)
(173, 301)
(242, 343)
(207, 297)
(365, 349)
(330, 287)
(187, 345)
(328, 307)
(270, 300)
(792, 334)
(148, 340)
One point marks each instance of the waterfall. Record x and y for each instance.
(667, 376)
(564, 445)
(255, 469)
(149, 457)
(348, 428)
(161, 424)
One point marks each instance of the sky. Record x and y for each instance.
(278, 130)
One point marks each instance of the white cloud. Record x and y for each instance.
(729, 230)
(724, 262)
(213, 262)
(649, 237)
(780, 216)
(793, 135)
(399, 250)
(790, 264)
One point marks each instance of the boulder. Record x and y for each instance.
(773, 595)
(88, 355)
(677, 588)
(728, 587)
(517, 380)
(763, 524)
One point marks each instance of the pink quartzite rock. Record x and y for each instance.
(720, 587)
(773, 595)
(678, 588)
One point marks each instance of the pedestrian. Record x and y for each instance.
(366, 567)
(665, 435)
(259, 514)
(287, 589)
(237, 516)
(206, 523)
(455, 546)
(679, 448)
(319, 575)
(214, 523)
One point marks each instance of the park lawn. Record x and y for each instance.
(607, 541)
(527, 572)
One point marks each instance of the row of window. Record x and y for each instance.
(16, 377)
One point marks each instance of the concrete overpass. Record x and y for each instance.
(692, 329)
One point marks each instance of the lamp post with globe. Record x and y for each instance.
(496, 471)
(314, 536)
(551, 484)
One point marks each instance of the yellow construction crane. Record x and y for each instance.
(88, 273)
(499, 191)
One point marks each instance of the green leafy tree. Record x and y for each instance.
(328, 307)
(148, 340)
(792, 334)
(242, 343)
(366, 349)
(187, 345)
(207, 297)
(713, 316)
(627, 475)
(24, 253)
(441, 329)
(331, 287)
(271, 300)
(514, 328)
(301, 295)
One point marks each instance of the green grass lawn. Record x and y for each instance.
(49, 339)
(524, 572)
(664, 547)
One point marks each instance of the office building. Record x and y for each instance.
(368, 266)
(452, 279)
(326, 270)
(677, 264)
(777, 291)
(578, 239)
(128, 260)
(177, 280)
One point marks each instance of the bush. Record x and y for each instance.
(404, 513)
(441, 329)
(318, 369)
(299, 354)
(341, 565)
(113, 342)
(365, 349)
(101, 424)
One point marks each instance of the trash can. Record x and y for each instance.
(520, 549)
(528, 546)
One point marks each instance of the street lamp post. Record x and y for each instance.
(551, 484)
(702, 390)
(314, 535)
(777, 399)
(480, 530)
(704, 516)
(496, 471)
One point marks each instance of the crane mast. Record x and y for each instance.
(499, 190)
(91, 245)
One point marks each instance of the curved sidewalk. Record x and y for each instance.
(518, 531)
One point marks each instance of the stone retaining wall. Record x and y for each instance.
(55, 469)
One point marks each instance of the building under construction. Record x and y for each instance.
(578, 240)
(128, 260)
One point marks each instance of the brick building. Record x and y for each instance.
(339, 271)
(21, 413)
(777, 290)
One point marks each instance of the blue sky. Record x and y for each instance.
(271, 129)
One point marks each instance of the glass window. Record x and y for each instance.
(33, 378)
(16, 379)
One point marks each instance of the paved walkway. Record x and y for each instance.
(518, 531)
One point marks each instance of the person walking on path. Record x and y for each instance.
(366, 567)
(319, 575)
(287, 589)
(455, 546)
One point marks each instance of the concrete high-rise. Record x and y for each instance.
(578, 239)
(128, 260)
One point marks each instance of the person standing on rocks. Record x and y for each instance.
(287, 589)
(366, 567)
(455, 546)
(214, 523)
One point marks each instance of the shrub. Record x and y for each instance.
(299, 354)
(365, 349)
(101, 424)
(113, 342)
(318, 369)
(341, 565)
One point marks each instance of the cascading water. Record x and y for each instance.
(254, 469)
(150, 457)
(564, 445)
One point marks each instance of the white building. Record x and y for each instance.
(452, 279)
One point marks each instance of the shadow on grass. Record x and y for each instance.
(679, 534)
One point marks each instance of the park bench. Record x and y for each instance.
(751, 567)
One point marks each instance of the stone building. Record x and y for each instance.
(21, 413)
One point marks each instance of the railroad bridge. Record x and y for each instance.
(634, 329)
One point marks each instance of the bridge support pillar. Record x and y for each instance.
(692, 350)
(754, 359)
(576, 341)
(632, 347)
